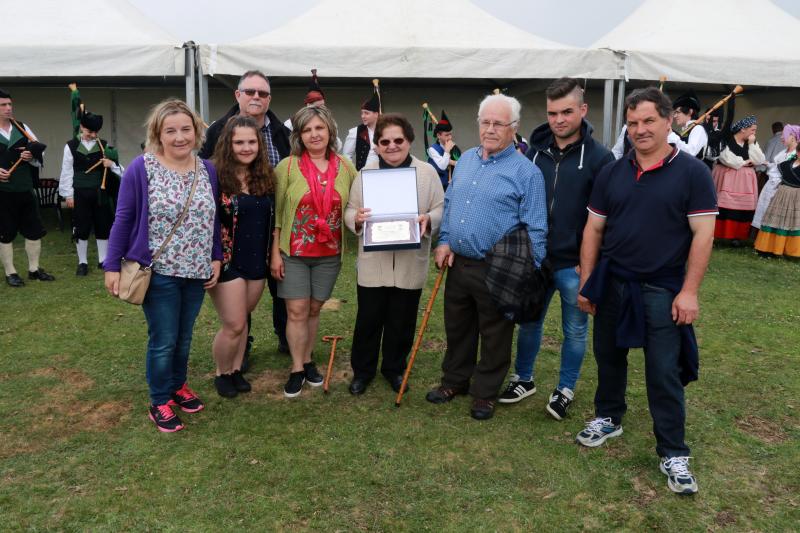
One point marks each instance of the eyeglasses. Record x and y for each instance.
(490, 124)
(397, 142)
(252, 92)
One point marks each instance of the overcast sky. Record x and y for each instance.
(579, 24)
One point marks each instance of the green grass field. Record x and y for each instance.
(77, 451)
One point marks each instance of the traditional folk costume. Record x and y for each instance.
(359, 146)
(780, 227)
(693, 141)
(736, 184)
(437, 155)
(19, 205)
(94, 191)
(774, 175)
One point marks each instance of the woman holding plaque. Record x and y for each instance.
(311, 189)
(390, 282)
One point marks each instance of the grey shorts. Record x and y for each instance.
(305, 277)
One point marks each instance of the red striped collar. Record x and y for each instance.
(667, 160)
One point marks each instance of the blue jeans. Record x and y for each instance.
(662, 371)
(170, 306)
(574, 324)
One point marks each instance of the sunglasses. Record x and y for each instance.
(252, 92)
(398, 142)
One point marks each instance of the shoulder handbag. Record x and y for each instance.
(134, 278)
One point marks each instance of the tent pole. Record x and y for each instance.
(189, 49)
(620, 106)
(203, 93)
(608, 110)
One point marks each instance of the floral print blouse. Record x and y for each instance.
(188, 254)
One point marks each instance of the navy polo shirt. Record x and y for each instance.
(646, 210)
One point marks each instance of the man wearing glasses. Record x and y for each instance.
(252, 99)
(494, 190)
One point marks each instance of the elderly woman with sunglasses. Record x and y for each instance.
(390, 282)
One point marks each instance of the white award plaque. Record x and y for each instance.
(391, 196)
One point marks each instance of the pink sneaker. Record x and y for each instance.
(187, 400)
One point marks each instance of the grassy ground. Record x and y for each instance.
(77, 451)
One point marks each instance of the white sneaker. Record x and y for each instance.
(597, 431)
(679, 478)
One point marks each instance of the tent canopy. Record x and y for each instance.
(364, 38)
(83, 39)
(743, 42)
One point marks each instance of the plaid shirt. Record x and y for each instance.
(272, 152)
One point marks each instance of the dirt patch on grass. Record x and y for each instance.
(434, 345)
(645, 493)
(62, 413)
(766, 431)
(724, 519)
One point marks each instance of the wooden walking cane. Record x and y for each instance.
(332, 339)
(421, 332)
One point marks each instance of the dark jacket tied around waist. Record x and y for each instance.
(516, 286)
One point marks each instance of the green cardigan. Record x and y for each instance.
(291, 186)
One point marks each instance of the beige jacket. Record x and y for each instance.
(405, 269)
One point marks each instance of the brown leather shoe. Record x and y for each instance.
(443, 394)
(482, 409)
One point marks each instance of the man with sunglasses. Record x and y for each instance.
(253, 97)
(495, 190)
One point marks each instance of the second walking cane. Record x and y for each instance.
(420, 334)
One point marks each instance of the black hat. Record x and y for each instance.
(373, 104)
(688, 99)
(314, 93)
(92, 122)
(443, 124)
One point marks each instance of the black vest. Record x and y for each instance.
(82, 162)
(363, 146)
(25, 176)
(685, 138)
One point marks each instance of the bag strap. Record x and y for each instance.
(183, 214)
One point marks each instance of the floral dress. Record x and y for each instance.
(188, 254)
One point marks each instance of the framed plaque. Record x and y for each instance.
(391, 194)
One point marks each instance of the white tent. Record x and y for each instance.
(745, 42)
(99, 38)
(365, 38)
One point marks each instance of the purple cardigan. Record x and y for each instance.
(129, 234)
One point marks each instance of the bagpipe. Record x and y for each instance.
(429, 122)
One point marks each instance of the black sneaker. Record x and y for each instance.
(283, 346)
(239, 383)
(187, 400)
(313, 376)
(164, 418)
(14, 280)
(41, 275)
(294, 385)
(517, 390)
(559, 403)
(82, 270)
(224, 386)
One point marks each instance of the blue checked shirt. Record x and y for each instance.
(272, 152)
(487, 199)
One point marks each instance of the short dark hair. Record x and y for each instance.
(563, 87)
(650, 94)
(777, 127)
(393, 119)
(686, 110)
(250, 74)
(4, 94)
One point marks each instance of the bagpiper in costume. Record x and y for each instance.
(359, 145)
(89, 181)
(442, 154)
(687, 109)
(21, 155)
